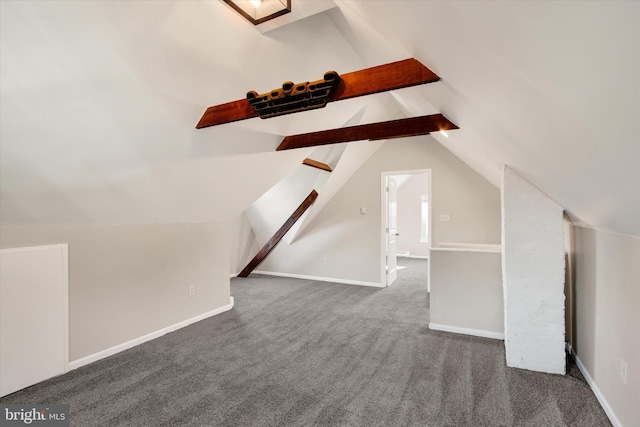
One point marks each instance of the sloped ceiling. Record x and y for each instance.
(99, 101)
(546, 87)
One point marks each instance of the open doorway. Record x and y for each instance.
(405, 221)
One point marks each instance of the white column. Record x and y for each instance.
(533, 277)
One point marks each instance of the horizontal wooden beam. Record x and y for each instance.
(318, 165)
(382, 78)
(375, 131)
(227, 113)
(271, 244)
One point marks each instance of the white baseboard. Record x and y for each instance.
(467, 331)
(321, 279)
(594, 387)
(148, 337)
(414, 256)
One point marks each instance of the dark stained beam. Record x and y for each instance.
(318, 165)
(375, 131)
(383, 78)
(271, 244)
(395, 75)
(227, 113)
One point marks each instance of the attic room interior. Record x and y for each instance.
(351, 212)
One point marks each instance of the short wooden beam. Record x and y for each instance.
(271, 244)
(374, 131)
(316, 164)
(382, 78)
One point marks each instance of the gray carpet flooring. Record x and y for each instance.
(302, 353)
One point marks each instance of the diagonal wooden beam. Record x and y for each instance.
(395, 75)
(382, 130)
(316, 164)
(271, 244)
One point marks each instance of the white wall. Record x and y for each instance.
(243, 245)
(608, 318)
(126, 281)
(533, 277)
(273, 208)
(409, 215)
(466, 292)
(351, 158)
(350, 241)
(34, 315)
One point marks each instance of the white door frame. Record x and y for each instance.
(391, 232)
(384, 213)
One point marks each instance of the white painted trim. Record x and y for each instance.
(414, 256)
(321, 279)
(467, 331)
(594, 387)
(148, 337)
(430, 235)
(34, 248)
(384, 214)
(482, 251)
(65, 278)
(470, 247)
(232, 275)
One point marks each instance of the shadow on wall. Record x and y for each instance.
(585, 294)
(569, 283)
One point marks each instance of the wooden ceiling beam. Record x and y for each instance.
(316, 164)
(383, 78)
(375, 131)
(395, 75)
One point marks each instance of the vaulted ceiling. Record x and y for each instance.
(99, 100)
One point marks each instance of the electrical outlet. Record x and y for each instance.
(192, 290)
(325, 261)
(623, 371)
